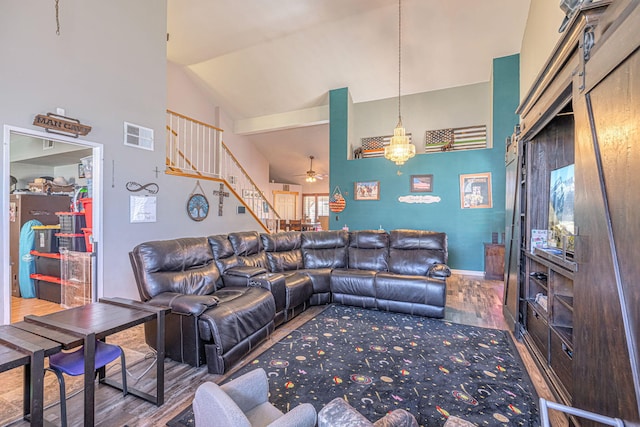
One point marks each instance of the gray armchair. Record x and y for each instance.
(243, 402)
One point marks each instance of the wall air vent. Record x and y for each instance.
(138, 136)
(48, 144)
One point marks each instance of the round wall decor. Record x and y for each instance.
(197, 205)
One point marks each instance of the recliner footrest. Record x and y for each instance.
(242, 319)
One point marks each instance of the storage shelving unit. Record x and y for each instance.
(583, 109)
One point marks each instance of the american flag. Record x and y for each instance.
(337, 203)
(465, 138)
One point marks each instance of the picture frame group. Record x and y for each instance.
(366, 190)
(475, 191)
(421, 184)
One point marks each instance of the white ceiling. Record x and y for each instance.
(263, 57)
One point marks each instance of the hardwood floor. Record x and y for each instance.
(470, 300)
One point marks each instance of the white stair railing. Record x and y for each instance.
(196, 149)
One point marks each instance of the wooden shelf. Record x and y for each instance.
(561, 260)
(542, 284)
(539, 309)
(566, 334)
(566, 301)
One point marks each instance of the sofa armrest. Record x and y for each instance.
(303, 415)
(184, 304)
(245, 271)
(240, 275)
(439, 271)
(276, 284)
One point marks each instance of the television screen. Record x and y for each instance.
(561, 198)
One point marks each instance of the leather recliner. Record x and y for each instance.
(368, 253)
(208, 320)
(415, 281)
(322, 252)
(242, 260)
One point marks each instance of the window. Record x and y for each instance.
(314, 206)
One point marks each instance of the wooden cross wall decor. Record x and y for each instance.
(221, 195)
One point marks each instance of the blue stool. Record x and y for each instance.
(73, 364)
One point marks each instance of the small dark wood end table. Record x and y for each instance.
(22, 348)
(85, 324)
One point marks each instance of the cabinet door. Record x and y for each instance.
(606, 316)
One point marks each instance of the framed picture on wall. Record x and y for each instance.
(366, 190)
(421, 183)
(475, 191)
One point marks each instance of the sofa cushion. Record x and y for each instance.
(283, 251)
(182, 265)
(284, 261)
(414, 251)
(354, 287)
(369, 250)
(320, 278)
(417, 289)
(422, 296)
(255, 260)
(280, 242)
(324, 249)
(240, 312)
(248, 248)
(298, 288)
(223, 253)
(245, 243)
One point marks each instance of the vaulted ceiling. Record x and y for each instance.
(264, 57)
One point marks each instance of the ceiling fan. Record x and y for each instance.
(311, 175)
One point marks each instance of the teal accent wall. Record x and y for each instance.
(467, 229)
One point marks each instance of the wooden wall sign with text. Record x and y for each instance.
(61, 125)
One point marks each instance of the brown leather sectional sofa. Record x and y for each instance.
(229, 292)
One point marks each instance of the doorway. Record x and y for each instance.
(286, 203)
(28, 154)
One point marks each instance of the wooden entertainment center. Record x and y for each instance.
(577, 307)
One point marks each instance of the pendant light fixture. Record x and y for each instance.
(399, 149)
(311, 174)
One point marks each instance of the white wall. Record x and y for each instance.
(107, 66)
(424, 111)
(185, 95)
(540, 37)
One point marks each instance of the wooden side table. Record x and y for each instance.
(21, 348)
(493, 261)
(84, 324)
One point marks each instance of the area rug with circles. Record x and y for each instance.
(379, 361)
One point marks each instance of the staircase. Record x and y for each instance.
(196, 149)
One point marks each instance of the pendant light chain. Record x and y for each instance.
(58, 17)
(399, 57)
(399, 149)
